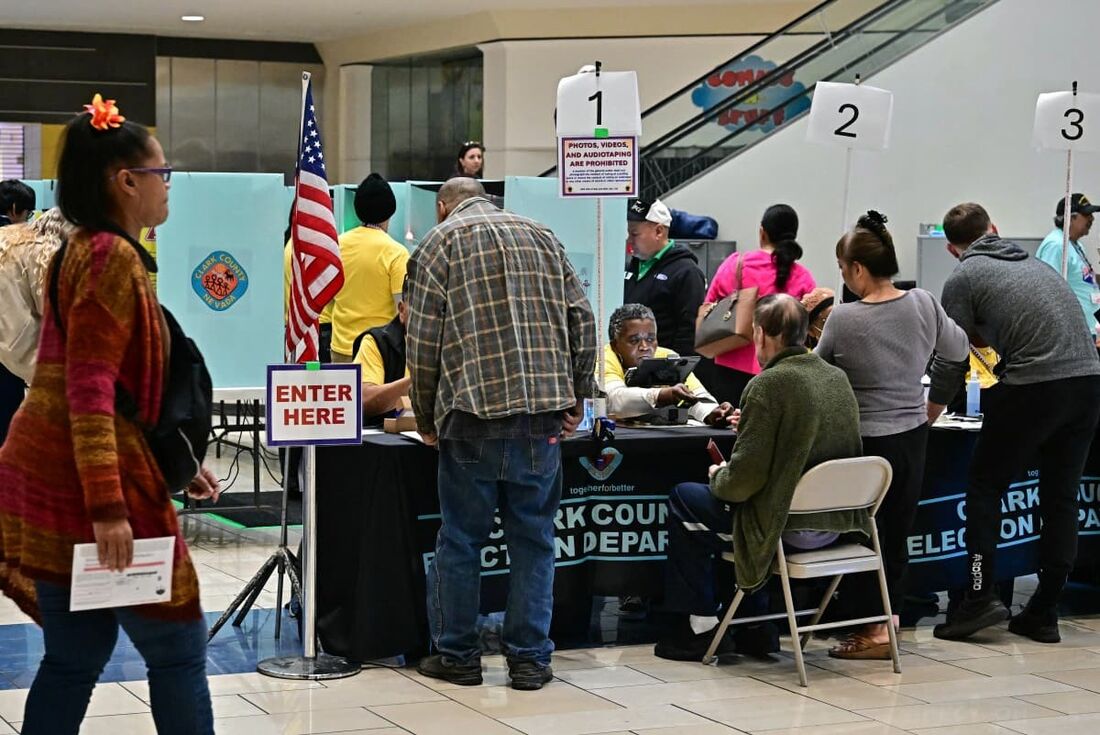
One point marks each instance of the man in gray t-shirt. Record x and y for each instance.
(1047, 404)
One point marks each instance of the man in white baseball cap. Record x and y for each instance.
(662, 275)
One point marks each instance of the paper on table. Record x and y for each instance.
(147, 580)
(414, 435)
(958, 423)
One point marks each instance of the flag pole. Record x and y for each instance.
(1067, 215)
(310, 665)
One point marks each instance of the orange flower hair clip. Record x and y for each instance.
(104, 113)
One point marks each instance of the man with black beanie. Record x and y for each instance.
(374, 269)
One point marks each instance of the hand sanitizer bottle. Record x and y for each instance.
(973, 395)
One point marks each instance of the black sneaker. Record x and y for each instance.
(1038, 624)
(446, 668)
(529, 676)
(686, 645)
(970, 617)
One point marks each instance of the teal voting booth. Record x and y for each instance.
(220, 270)
(574, 222)
(220, 259)
(44, 197)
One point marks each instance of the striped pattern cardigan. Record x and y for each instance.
(69, 459)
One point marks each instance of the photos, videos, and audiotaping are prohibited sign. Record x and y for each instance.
(599, 166)
(598, 121)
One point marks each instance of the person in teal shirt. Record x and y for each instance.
(1079, 272)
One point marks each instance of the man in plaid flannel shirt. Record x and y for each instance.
(501, 351)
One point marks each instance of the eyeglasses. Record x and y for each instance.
(636, 339)
(164, 172)
(473, 142)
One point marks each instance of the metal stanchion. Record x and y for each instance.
(311, 664)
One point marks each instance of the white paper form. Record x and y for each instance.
(147, 580)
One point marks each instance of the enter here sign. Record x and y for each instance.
(322, 406)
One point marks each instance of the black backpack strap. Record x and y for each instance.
(55, 276)
(358, 343)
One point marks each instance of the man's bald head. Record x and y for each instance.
(454, 192)
(782, 316)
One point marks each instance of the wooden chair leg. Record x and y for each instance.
(724, 625)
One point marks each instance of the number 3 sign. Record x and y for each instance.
(1064, 121)
(850, 115)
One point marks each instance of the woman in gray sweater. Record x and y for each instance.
(883, 343)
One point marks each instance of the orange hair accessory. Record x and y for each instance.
(104, 113)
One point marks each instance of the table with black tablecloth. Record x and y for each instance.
(378, 514)
(937, 550)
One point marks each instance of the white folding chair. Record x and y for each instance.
(841, 484)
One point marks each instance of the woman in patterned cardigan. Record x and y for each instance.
(73, 471)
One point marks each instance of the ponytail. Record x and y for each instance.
(780, 224)
(784, 256)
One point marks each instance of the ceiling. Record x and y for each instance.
(277, 20)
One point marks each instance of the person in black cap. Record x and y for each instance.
(1079, 272)
(374, 269)
(662, 275)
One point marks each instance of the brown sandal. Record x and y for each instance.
(859, 647)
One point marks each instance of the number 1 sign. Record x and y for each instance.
(1067, 121)
(850, 115)
(608, 100)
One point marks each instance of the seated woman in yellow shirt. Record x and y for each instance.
(633, 335)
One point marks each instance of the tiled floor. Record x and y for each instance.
(998, 684)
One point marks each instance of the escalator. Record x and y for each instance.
(771, 84)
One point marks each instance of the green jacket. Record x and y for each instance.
(799, 412)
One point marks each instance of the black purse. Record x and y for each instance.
(178, 441)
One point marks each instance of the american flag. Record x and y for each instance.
(317, 273)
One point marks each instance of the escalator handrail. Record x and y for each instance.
(694, 123)
(791, 65)
(809, 90)
(747, 52)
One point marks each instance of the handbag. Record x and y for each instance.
(178, 441)
(723, 321)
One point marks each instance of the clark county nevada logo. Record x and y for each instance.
(219, 280)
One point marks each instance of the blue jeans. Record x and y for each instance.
(78, 646)
(521, 477)
(699, 527)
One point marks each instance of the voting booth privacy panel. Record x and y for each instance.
(220, 270)
(220, 254)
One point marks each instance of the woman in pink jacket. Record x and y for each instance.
(774, 268)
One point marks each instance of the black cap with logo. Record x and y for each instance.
(1078, 204)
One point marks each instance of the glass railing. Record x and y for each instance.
(739, 104)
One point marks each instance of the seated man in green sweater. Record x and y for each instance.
(799, 412)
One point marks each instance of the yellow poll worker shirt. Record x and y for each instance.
(374, 269)
(624, 402)
(370, 359)
(288, 251)
(982, 361)
(613, 369)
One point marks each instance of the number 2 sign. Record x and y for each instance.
(850, 115)
(1065, 121)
